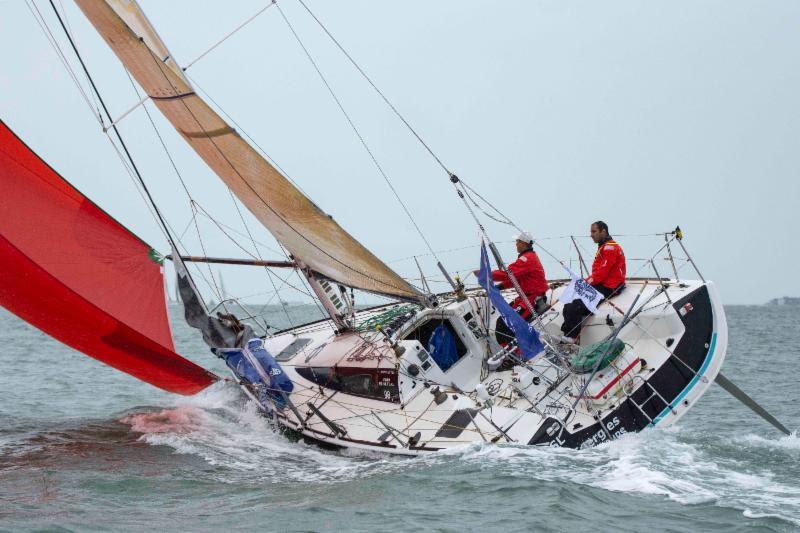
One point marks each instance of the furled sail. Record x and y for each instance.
(72, 271)
(310, 235)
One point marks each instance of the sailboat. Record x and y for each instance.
(359, 378)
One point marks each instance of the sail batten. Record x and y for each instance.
(308, 233)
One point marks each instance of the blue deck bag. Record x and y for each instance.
(279, 382)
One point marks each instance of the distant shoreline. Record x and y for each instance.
(784, 300)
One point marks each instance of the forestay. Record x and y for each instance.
(309, 234)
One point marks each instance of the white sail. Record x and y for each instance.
(309, 234)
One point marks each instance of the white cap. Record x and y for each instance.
(524, 237)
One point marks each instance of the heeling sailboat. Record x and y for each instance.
(368, 379)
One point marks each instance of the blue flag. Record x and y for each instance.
(527, 337)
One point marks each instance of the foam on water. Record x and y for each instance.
(658, 462)
(788, 443)
(225, 429)
(95, 443)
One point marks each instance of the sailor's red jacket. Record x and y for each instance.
(608, 268)
(529, 272)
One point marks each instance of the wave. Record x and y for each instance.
(225, 429)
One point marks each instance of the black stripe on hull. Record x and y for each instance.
(669, 381)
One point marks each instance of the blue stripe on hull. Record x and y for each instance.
(691, 384)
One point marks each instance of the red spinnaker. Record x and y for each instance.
(74, 272)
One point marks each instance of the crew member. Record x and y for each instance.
(608, 277)
(528, 272)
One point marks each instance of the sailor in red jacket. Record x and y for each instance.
(608, 277)
(529, 273)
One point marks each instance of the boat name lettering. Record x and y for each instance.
(602, 435)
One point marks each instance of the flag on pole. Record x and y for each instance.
(578, 288)
(527, 337)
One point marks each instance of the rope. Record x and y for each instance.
(382, 318)
(239, 27)
(377, 90)
(54, 44)
(116, 130)
(255, 247)
(255, 192)
(126, 159)
(192, 202)
(411, 129)
(208, 265)
(356, 131)
(239, 128)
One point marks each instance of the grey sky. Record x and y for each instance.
(644, 114)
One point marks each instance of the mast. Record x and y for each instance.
(339, 307)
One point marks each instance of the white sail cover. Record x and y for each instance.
(310, 235)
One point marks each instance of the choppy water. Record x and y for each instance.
(83, 447)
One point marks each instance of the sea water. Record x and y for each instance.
(86, 448)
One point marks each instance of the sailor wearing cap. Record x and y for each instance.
(529, 273)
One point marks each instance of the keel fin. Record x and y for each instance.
(740, 395)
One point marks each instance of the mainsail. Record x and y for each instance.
(72, 271)
(308, 233)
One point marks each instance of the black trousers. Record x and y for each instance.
(576, 312)
(503, 333)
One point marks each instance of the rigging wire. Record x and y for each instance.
(355, 130)
(462, 188)
(258, 252)
(377, 90)
(225, 38)
(239, 128)
(126, 159)
(402, 118)
(506, 220)
(274, 163)
(69, 30)
(197, 206)
(94, 110)
(116, 130)
(254, 191)
(231, 229)
(54, 43)
(213, 284)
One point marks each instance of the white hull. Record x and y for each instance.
(353, 390)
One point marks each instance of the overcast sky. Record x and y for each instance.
(643, 114)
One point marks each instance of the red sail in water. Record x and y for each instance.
(72, 271)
